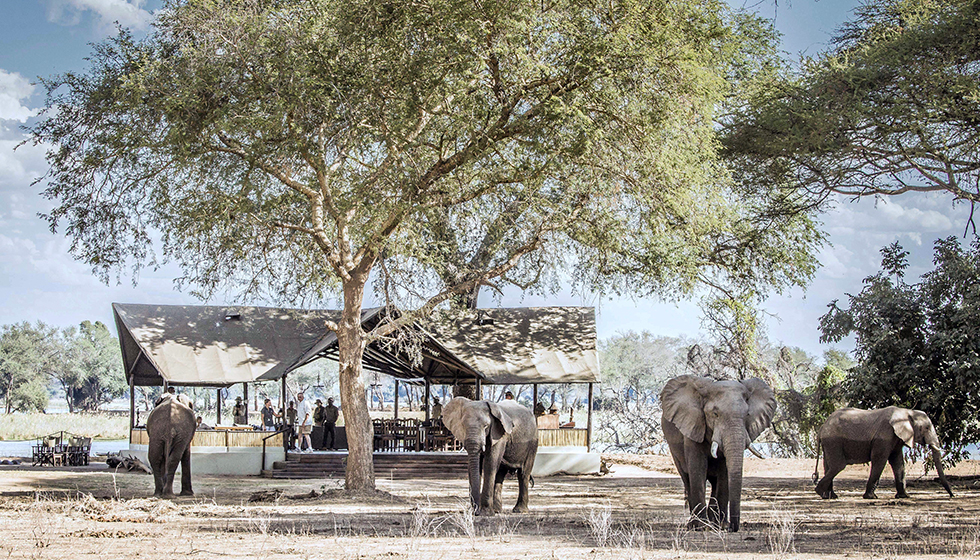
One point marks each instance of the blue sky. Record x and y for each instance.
(40, 281)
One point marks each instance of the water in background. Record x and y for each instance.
(23, 448)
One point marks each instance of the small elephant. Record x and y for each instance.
(702, 417)
(851, 436)
(499, 438)
(170, 428)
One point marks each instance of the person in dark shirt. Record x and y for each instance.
(269, 416)
(330, 416)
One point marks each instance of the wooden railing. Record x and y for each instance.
(217, 438)
(563, 437)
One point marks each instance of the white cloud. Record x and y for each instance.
(129, 13)
(14, 88)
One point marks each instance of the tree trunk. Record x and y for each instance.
(357, 419)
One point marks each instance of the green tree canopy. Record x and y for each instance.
(289, 150)
(893, 107)
(917, 345)
(98, 370)
(29, 354)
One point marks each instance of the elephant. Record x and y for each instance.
(851, 436)
(708, 425)
(499, 438)
(170, 427)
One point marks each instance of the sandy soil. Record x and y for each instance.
(635, 511)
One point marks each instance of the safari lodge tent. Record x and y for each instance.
(220, 346)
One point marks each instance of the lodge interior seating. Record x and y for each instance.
(61, 449)
(439, 438)
(402, 434)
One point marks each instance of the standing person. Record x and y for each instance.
(269, 416)
(304, 422)
(238, 412)
(291, 423)
(318, 425)
(509, 396)
(436, 408)
(330, 416)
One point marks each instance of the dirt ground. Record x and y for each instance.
(635, 511)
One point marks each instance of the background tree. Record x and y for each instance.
(892, 107)
(288, 150)
(916, 344)
(85, 362)
(635, 367)
(28, 356)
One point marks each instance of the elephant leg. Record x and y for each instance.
(878, 460)
(185, 473)
(720, 493)
(498, 486)
(697, 470)
(833, 464)
(523, 484)
(714, 514)
(897, 461)
(491, 463)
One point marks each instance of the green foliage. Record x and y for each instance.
(84, 361)
(97, 369)
(28, 354)
(281, 147)
(893, 107)
(917, 345)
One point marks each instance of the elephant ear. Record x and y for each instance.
(762, 406)
(452, 417)
(504, 424)
(902, 425)
(682, 400)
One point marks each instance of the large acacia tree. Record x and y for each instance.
(291, 150)
(892, 107)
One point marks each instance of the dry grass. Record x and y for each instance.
(44, 513)
(26, 426)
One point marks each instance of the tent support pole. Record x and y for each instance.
(245, 399)
(425, 405)
(534, 396)
(282, 398)
(396, 399)
(219, 406)
(132, 405)
(479, 390)
(588, 431)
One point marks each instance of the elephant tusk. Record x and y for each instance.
(714, 449)
(754, 451)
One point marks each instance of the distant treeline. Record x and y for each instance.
(38, 361)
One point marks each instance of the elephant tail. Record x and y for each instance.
(816, 467)
(531, 478)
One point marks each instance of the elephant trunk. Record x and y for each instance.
(474, 470)
(735, 443)
(937, 458)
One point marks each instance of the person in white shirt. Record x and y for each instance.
(304, 422)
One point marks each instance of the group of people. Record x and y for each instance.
(300, 419)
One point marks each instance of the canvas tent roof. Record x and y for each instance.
(522, 344)
(222, 345)
(435, 362)
(213, 346)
